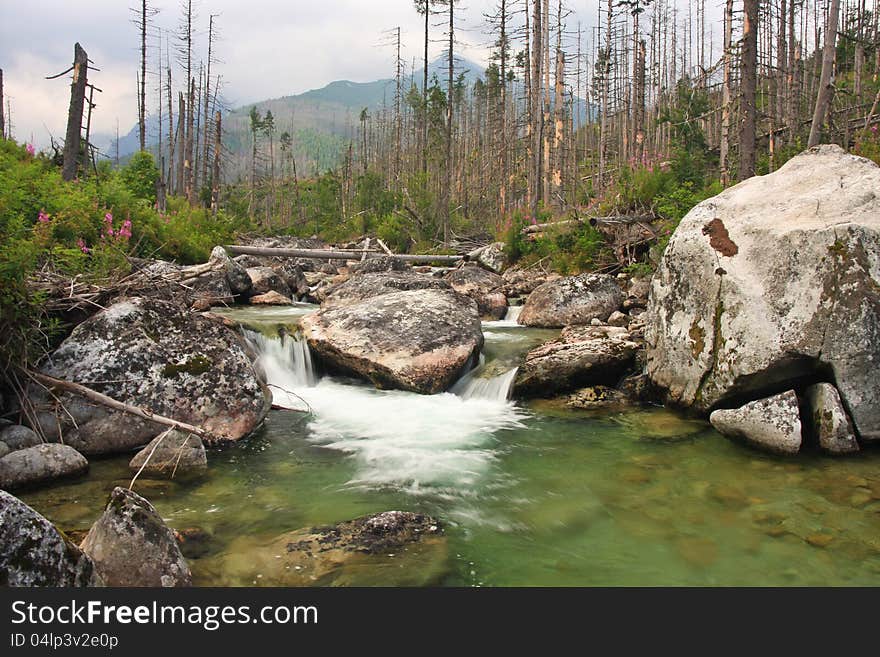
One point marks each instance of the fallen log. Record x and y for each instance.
(335, 254)
(593, 221)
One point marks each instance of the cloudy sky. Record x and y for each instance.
(268, 48)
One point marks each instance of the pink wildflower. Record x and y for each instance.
(125, 231)
(30, 149)
(82, 245)
(43, 217)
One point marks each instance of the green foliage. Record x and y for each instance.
(867, 143)
(140, 176)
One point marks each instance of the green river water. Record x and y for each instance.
(528, 494)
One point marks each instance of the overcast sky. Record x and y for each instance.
(268, 48)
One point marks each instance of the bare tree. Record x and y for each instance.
(2, 115)
(748, 90)
(141, 21)
(73, 138)
(826, 85)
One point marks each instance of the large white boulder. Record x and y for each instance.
(774, 284)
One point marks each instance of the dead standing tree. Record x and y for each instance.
(73, 139)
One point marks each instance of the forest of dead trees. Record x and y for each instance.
(563, 112)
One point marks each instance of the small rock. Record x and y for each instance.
(829, 420)
(596, 322)
(19, 437)
(379, 264)
(270, 298)
(131, 545)
(34, 553)
(772, 424)
(617, 318)
(4, 450)
(820, 540)
(572, 300)
(35, 465)
(178, 454)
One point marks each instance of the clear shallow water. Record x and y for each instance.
(529, 495)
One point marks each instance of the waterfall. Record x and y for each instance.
(475, 386)
(288, 366)
(513, 314)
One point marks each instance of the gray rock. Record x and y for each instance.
(617, 318)
(581, 357)
(367, 286)
(151, 354)
(19, 437)
(130, 545)
(4, 449)
(830, 423)
(418, 340)
(266, 279)
(236, 275)
(772, 424)
(379, 264)
(772, 282)
(520, 281)
(491, 257)
(572, 300)
(482, 286)
(34, 553)
(176, 455)
(39, 464)
(394, 548)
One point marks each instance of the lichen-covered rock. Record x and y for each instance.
(772, 424)
(491, 256)
(17, 436)
(597, 398)
(775, 283)
(380, 264)
(580, 357)
(172, 455)
(366, 286)
(131, 545)
(151, 354)
(572, 300)
(236, 276)
(4, 449)
(829, 421)
(482, 286)
(34, 553)
(219, 281)
(394, 548)
(519, 281)
(39, 464)
(418, 340)
(270, 298)
(266, 279)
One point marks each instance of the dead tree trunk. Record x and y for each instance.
(826, 88)
(188, 149)
(215, 174)
(73, 139)
(2, 110)
(748, 85)
(181, 129)
(725, 92)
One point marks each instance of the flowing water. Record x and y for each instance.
(529, 494)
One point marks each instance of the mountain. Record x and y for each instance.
(321, 121)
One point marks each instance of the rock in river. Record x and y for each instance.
(175, 454)
(34, 553)
(582, 356)
(17, 436)
(366, 286)
(775, 284)
(418, 340)
(132, 546)
(40, 463)
(572, 300)
(394, 548)
(771, 424)
(151, 354)
(482, 286)
(828, 419)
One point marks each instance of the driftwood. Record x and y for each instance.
(109, 402)
(593, 221)
(333, 254)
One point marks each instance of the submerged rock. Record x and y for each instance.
(150, 354)
(418, 340)
(367, 286)
(39, 464)
(580, 357)
(829, 421)
(34, 553)
(482, 286)
(772, 424)
(573, 300)
(132, 546)
(394, 548)
(775, 283)
(177, 454)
